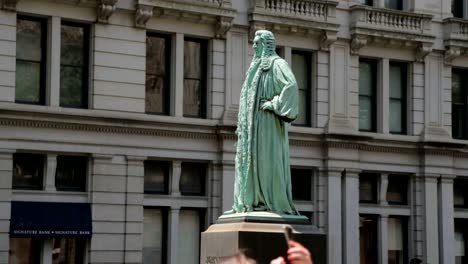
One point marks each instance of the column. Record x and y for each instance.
(54, 37)
(383, 189)
(134, 209)
(47, 251)
(175, 179)
(288, 54)
(108, 194)
(178, 75)
(49, 183)
(215, 191)
(446, 220)
(431, 232)
(8, 55)
(383, 238)
(6, 173)
(383, 95)
(228, 182)
(351, 217)
(334, 241)
(173, 239)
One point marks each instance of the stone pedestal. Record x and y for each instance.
(260, 241)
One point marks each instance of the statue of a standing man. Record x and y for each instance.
(268, 102)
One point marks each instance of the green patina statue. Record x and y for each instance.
(268, 102)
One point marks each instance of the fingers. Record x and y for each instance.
(298, 254)
(278, 260)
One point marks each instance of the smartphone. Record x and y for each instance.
(287, 234)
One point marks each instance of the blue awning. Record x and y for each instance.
(47, 219)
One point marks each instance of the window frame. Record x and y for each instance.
(458, 5)
(404, 97)
(202, 222)
(310, 173)
(43, 172)
(86, 61)
(373, 98)
(165, 230)
(399, 178)
(86, 175)
(308, 58)
(204, 76)
(167, 80)
(44, 60)
(204, 186)
(405, 225)
(375, 179)
(167, 176)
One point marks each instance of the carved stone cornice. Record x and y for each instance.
(422, 51)
(298, 17)
(105, 8)
(389, 28)
(9, 5)
(142, 14)
(217, 12)
(455, 38)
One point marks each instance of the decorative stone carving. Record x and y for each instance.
(422, 51)
(9, 5)
(357, 42)
(328, 38)
(222, 26)
(142, 14)
(451, 53)
(105, 9)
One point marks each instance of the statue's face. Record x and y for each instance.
(258, 46)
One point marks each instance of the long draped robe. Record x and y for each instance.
(263, 178)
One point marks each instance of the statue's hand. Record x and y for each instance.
(268, 105)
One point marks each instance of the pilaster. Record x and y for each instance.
(173, 234)
(383, 238)
(446, 220)
(178, 75)
(55, 43)
(351, 216)
(431, 234)
(49, 183)
(175, 180)
(334, 216)
(6, 174)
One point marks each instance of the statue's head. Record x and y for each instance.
(264, 43)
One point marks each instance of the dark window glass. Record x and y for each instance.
(367, 95)
(368, 187)
(459, 104)
(398, 83)
(158, 59)
(74, 52)
(68, 251)
(368, 239)
(301, 66)
(457, 8)
(24, 250)
(461, 241)
(301, 180)
(394, 4)
(157, 176)
(71, 173)
(397, 240)
(154, 235)
(309, 215)
(397, 190)
(31, 46)
(460, 194)
(280, 51)
(194, 77)
(192, 179)
(368, 2)
(28, 171)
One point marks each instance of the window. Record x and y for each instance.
(194, 77)
(397, 240)
(191, 225)
(301, 180)
(368, 187)
(368, 239)
(461, 235)
(367, 95)
(24, 250)
(68, 251)
(280, 51)
(31, 46)
(192, 179)
(156, 176)
(71, 173)
(459, 104)
(158, 61)
(398, 83)
(154, 235)
(397, 190)
(367, 2)
(301, 66)
(74, 65)
(460, 196)
(394, 4)
(457, 8)
(28, 171)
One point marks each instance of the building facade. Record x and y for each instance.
(117, 122)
